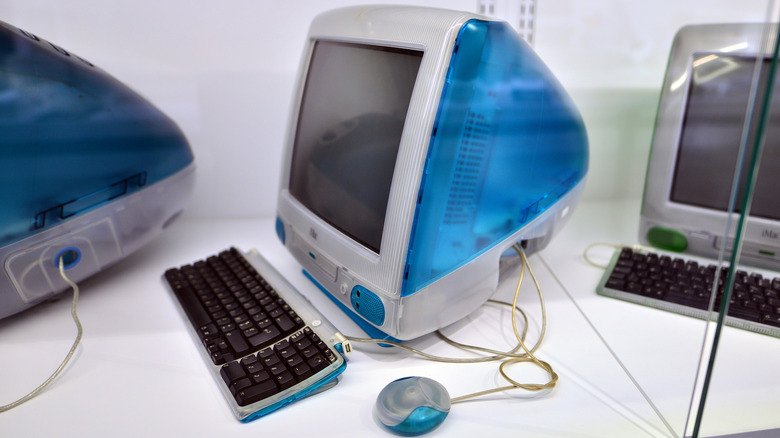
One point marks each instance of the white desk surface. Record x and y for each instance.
(137, 372)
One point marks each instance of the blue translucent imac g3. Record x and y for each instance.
(422, 145)
(89, 170)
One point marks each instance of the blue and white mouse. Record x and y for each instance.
(412, 405)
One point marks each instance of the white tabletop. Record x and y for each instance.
(137, 372)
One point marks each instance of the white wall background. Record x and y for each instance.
(224, 72)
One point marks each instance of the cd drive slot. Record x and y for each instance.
(300, 246)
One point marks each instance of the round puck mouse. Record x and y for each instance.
(412, 405)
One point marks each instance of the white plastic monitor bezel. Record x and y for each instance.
(432, 31)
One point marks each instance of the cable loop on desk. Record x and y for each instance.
(509, 357)
(593, 245)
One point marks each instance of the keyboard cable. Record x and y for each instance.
(34, 393)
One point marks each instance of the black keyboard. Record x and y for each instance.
(265, 344)
(685, 286)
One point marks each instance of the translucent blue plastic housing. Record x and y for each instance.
(506, 145)
(73, 137)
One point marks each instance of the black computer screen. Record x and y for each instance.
(711, 133)
(349, 128)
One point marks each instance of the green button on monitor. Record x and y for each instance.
(668, 239)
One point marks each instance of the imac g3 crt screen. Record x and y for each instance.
(350, 121)
(711, 135)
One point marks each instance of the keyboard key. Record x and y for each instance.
(239, 385)
(771, 320)
(265, 337)
(301, 372)
(256, 392)
(260, 376)
(192, 306)
(317, 363)
(744, 313)
(237, 342)
(232, 372)
(285, 380)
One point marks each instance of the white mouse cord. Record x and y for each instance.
(495, 355)
(56, 373)
(593, 245)
(634, 247)
(429, 356)
(529, 356)
(520, 339)
(508, 357)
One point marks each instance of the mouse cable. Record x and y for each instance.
(509, 357)
(68, 357)
(594, 245)
(634, 247)
(529, 354)
(494, 354)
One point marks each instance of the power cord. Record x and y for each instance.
(68, 357)
(634, 247)
(508, 357)
(594, 245)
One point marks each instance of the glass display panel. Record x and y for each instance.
(697, 344)
(753, 195)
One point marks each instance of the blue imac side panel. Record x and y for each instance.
(73, 137)
(89, 170)
(507, 144)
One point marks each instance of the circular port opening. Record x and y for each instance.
(70, 257)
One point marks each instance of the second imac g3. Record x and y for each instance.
(695, 154)
(422, 144)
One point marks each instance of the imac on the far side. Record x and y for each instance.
(422, 145)
(90, 171)
(696, 146)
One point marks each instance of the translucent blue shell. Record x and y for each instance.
(73, 137)
(506, 145)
